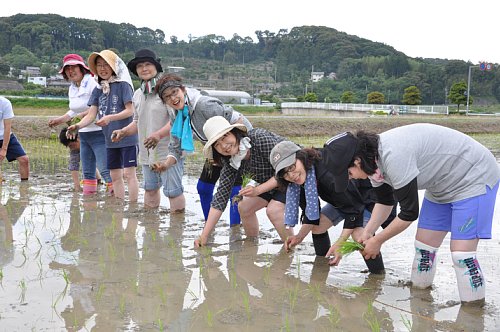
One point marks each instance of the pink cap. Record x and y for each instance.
(71, 60)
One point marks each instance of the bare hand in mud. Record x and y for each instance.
(104, 121)
(117, 135)
(249, 191)
(152, 141)
(54, 122)
(199, 242)
(72, 131)
(159, 166)
(372, 248)
(333, 255)
(291, 242)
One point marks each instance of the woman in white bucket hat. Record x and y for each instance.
(242, 151)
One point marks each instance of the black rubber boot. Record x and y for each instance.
(321, 243)
(375, 265)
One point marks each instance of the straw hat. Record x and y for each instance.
(109, 56)
(215, 128)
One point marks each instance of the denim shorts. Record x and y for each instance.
(336, 216)
(14, 150)
(467, 219)
(332, 213)
(171, 179)
(122, 157)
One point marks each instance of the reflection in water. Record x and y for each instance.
(73, 263)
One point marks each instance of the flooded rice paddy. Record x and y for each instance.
(73, 263)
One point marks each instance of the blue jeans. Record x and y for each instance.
(171, 179)
(93, 154)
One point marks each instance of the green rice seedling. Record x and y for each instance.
(122, 305)
(1, 277)
(65, 276)
(163, 296)
(407, 322)
(246, 180)
(372, 320)
(209, 318)
(161, 327)
(356, 289)
(22, 296)
(349, 246)
(333, 315)
(246, 303)
(314, 290)
(292, 296)
(287, 326)
(234, 282)
(100, 292)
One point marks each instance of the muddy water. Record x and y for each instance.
(77, 264)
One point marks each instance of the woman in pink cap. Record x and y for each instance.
(92, 144)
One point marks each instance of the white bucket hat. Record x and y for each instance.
(215, 128)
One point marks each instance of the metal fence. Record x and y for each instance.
(400, 109)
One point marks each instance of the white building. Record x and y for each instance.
(38, 80)
(317, 75)
(229, 97)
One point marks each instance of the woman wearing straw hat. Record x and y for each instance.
(152, 122)
(92, 144)
(111, 104)
(192, 110)
(243, 151)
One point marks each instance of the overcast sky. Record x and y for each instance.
(466, 30)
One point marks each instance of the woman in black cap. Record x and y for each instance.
(152, 121)
(306, 178)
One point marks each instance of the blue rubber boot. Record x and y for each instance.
(234, 215)
(206, 192)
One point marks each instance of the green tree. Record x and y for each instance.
(347, 97)
(20, 57)
(311, 97)
(412, 96)
(47, 70)
(375, 98)
(4, 68)
(458, 94)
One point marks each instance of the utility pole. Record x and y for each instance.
(312, 80)
(468, 90)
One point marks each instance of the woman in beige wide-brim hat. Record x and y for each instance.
(242, 151)
(111, 105)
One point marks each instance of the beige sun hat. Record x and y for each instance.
(215, 128)
(109, 56)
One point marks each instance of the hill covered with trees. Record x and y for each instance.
(277, 63)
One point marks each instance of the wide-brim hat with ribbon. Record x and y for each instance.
(215, 128)
(109, 56)
(72, 60)
(283, 155)
(144, 55)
